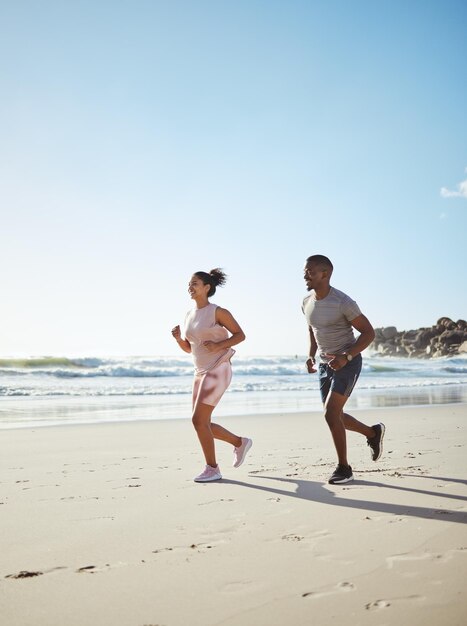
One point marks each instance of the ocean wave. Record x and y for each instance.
(237, 386)
(382, 369)
(117, 371)
(455, 370)
(125, 371)
(138, 367)
(33, 362)
(90, 393)
(273, 367)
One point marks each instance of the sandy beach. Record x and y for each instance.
(102, 524)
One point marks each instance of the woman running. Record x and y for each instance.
(210, 333)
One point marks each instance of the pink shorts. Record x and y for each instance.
(209, 388)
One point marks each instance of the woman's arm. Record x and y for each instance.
(227, 320)
(183, 343)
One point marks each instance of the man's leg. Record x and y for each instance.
(333, 412)
(374, 434)
(351, 423)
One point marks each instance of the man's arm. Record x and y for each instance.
(310, 362)
(367, 334)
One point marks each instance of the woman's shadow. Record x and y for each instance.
(318, 492)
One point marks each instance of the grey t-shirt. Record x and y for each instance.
(330, 319)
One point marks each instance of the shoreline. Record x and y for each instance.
(58, 410)
(363, 414)
(105, 525)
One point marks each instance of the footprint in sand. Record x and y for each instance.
(32, 574)
(340, 587)
(385, 604)
(24, 574)
(94, 569)
(406, 560)
(194, 547)
(87, 568)
(292, 537)
(377, 604)
(311, 539)
(241, 586)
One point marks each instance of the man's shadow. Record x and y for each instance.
(317, 492)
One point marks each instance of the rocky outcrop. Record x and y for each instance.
(445, 338)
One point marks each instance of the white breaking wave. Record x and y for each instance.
(44, 391)
(168, 376)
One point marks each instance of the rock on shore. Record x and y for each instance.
(445, 338)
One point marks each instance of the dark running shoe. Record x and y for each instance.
(342, 474)
(376, 442)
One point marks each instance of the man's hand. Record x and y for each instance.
(310, 365)
(336, 361)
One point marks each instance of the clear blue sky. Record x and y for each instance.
(141, 141)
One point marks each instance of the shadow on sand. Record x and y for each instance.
(318, 492)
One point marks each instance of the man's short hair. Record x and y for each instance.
(320, 259)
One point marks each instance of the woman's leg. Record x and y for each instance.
(202, 422)
(219, 432)
(207, 391)
(207, 432)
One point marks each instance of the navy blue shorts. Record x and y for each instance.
(343, 381)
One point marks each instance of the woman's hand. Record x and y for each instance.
(212, 346)
(183, 343)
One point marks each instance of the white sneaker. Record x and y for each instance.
(208, 475)
(241, 452)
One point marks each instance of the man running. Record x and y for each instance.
(331, 316)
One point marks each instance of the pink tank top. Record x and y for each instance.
(201, 325)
